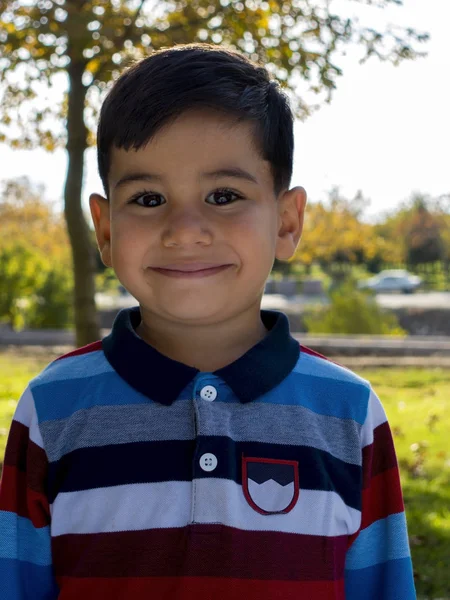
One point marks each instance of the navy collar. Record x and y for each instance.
(160, 378)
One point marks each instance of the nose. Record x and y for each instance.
(186, 227)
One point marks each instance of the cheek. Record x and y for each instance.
(129, 231)
(128, 239)
(258, 229)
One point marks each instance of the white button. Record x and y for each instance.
(209, 392)
(208, 462)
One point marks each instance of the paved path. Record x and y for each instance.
(297, 303)
(330, 345)
(431, 300)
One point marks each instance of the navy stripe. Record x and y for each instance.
(178, 460)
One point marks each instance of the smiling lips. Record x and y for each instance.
(191, 270)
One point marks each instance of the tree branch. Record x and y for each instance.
(129, 28)
(124, 37)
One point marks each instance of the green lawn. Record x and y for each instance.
(417, 402)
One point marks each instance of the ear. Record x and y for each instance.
(291, 210)
(100, 216)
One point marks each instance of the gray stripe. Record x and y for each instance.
(104, 425)
(282, 424)
(256, 422)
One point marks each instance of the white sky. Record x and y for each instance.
(386, 131)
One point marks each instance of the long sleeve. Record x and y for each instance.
(26, 571)
(378, 564)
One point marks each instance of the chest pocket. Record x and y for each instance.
(270, 486)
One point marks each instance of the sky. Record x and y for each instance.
(386, 131)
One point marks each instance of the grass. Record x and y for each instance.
(417, 402)
(16, 371)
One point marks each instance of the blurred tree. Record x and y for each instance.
(423, 236)
(24, 212)
(420, 228)
(442, 210)
(36, 277)
(336, 238)
(88, 41)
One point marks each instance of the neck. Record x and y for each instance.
(204, 347)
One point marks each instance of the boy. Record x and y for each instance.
(198, 451)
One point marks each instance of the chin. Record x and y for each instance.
(196, 315)
(189, 312)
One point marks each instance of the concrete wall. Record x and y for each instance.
(416, 321)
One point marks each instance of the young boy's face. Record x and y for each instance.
(193, 226)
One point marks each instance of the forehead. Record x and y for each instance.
(197, 141)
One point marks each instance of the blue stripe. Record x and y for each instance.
(392, 580)
(384, 540)
(177, 460)
(89, 380)
(322, 395)
(22, 541)
(25, 581)
(74, 367)
(105, 389)
(309, 364)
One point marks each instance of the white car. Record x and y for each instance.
(395, 280)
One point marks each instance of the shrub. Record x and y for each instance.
(33, 291)
(352, 311)
(51, 306)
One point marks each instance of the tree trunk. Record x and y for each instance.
(85, 312)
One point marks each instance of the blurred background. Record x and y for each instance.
(370, 282)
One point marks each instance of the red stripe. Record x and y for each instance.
(380, 455)
(197, 588)
(200, 551)
(382, 498)
(16, 497)
(83, 350)
(307, 350)
(17, 445)
(27, 457)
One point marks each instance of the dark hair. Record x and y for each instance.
(159, 88)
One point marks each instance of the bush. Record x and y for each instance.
(106, 281)
(352, 311)
(33, 291)
(51, 306)
(21, 271)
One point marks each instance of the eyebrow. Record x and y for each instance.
(235, 172)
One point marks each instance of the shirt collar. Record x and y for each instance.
(160, 378)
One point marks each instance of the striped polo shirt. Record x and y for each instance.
(129, 475)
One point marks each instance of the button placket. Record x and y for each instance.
(205, 462)
(195, 461)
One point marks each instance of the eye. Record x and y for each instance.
(146, 199)
(224, 197)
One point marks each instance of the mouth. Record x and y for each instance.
(190, 271)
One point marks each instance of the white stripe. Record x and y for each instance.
(316, 512)
(122, 508)
(168, 504)
(375, 417)
(26, 414)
